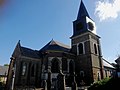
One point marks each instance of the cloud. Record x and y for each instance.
(106, 9)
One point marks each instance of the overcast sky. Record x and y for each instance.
(36, 22)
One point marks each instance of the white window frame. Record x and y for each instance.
(83, 43)
(96, 48)
(24, 67)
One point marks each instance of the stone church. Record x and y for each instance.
(56, 65)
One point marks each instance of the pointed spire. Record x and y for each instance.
(18, 44)
(17, 49)
(82, 11)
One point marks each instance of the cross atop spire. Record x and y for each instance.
(82, 11)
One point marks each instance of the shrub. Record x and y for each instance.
(99, 85)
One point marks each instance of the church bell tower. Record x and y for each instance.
(86, 45)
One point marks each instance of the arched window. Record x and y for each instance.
(71, 66)
(98, 75)
(64, 64)
(80, 48)
(33, 70)
(24, 67)
(81, 74)
(55, 66)
(95, 48)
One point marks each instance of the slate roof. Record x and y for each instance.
(82, 11)
(3, 70)
(55, 46)
(29, 52)
(107, 64)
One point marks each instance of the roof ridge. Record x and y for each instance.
(62, 44)
(55, 45)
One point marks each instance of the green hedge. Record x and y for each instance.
(107, 83)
